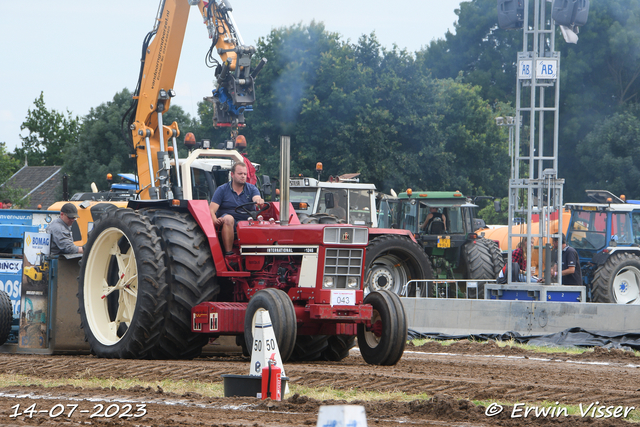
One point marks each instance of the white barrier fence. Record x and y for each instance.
(445, 288)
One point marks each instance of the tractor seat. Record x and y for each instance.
(436, 227)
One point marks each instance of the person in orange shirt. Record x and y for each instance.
(241, 145)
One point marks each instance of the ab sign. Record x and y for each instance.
(545, 69)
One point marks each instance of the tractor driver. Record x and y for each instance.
(227, 198)
(433, 214)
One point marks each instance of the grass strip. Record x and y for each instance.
(215, 390)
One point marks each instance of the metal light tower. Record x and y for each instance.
(534, 187)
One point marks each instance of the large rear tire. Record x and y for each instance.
(618, 280)
(393, 260)
(497, 260)
(122, 288)
(6, 316)
(338, 347)
(383, 342)
(191, 276)
(333, 348)
(309, 348)
(479, 263)
(283, 319)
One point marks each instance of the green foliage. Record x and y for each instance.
(361, 108)
(478, 51)
(101, 147)
(49, 133)
(491, 217)
(599, 75)
(8, 166)
(616, 144)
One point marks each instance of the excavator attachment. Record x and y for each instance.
(235, 92)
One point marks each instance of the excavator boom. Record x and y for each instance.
(234, 93)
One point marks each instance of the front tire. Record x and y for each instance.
(283, 319)
(122, 288)
(383, 342)
(618, 280)
(393, 260)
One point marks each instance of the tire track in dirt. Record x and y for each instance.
(468, 371)
(470, 376)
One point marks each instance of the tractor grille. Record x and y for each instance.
(342, 264)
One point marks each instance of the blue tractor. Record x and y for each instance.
(606, 234)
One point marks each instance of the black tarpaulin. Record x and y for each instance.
(572, 337)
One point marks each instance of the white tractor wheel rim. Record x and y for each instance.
(389, 268)
(626, 286)
(97, 289)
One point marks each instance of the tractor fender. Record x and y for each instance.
(601, 257)
(375, 232)
(201, 213)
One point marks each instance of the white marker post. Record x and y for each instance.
(265, 347)
(342, 416)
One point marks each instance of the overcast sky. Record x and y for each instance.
(80, 53)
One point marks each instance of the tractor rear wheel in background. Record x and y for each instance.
(497, 259)
(618, 280)
(122, 288)
(6, 316)
(309, 348)
(338, 347)
(383, 342)
(191, 276)
(333, 348)
(393, 260)
(283, 319)
(478, 262)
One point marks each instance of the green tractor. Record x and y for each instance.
(443, 223)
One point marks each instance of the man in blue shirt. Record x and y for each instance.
(229, 196)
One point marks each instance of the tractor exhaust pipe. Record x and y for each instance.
(285, 169)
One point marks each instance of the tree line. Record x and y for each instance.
(421, 120)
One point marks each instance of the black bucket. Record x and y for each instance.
(246, 385)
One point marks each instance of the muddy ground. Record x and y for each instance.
(453, 375)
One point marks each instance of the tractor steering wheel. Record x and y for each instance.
(243, 208)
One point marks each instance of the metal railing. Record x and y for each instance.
(445, 288)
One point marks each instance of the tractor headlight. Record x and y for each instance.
(328, 282)
(352, 282)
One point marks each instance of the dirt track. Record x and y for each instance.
(454, 375)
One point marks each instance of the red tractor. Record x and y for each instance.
(155, 284)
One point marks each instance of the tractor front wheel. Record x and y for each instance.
(383, 341)
(618, 280)
(283, 319)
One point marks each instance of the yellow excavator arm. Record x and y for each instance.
(234, 92)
